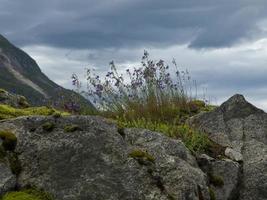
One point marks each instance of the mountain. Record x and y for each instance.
(20, 74)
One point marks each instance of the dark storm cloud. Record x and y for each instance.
(101, 24)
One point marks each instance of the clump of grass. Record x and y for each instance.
(48, 126)
(9, 140)
(212, 194)
(71, 128)
(216, 180)
(194, 140)
(27, 194)
(139, 154)
(7, 111)
(151, 96)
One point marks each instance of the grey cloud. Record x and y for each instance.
(102, 24)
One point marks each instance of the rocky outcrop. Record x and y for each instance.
(78, 158)
(242, 128)
(13, 100)
(89, 157)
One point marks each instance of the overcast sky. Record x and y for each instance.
(222, 43)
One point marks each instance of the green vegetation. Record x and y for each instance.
(27, 194)
(139, 154)
(194, 140)
(71, 128)
(7, 111)
(153, 97)
(48, 126)
(212, 194)
(9, 140)
(216, 180)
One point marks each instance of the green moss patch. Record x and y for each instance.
(72, 128)
(7, 111)
(141, 155)
(212, 194)
(9, 140)
(27, 194)
(216, 180)
(48, 126)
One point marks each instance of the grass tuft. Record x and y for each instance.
(194, 140)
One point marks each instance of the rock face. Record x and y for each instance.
(242, 128)
(88, 157)
(7, 179)
(13, 100)
(81, 158)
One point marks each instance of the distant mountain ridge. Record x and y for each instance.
(20, 74)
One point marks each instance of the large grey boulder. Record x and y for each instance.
(242, 127)
(88, 158)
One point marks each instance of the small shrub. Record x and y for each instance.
(216, 180)
(9, 140)
(212, 194)
(72, 128)
(48, 126)
(27, 194)
(139, 154)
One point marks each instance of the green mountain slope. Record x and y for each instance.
(20, 74)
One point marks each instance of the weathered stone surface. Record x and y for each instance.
(226, 171)
(97, 162)
(243, 128)
(13, 100)
(234, 155)
(7, 179)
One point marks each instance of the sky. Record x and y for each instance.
(223, 44)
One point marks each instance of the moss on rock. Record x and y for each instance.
(48, 126)
(71, 128)
(7, 111)
(139, 154)
(216, 180)
(27, 194)
(9, 140)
